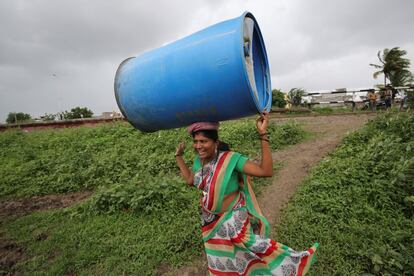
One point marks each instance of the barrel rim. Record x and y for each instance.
(118, 101)
(263, 48)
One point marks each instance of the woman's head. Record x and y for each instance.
(206, 140)
(205, 143)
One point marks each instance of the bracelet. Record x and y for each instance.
(264, 136)
(176, 155)
(265, 139)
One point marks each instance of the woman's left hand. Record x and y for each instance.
(265, 168)
(262, 122)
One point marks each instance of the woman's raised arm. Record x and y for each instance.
(265, 168)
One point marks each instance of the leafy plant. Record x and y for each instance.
(358, 203)
(59, 161)
(155, 195)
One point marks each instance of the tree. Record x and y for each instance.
(394, 66)
(48, 117)
(76, 113)
(278, 98)
(410, 98)
(81, 112)
(401, 78)
(295, 96)
(15, 117)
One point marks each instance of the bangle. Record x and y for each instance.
(265, 139)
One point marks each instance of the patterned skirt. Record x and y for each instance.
(236, 249)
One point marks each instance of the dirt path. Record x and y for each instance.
(296, 161)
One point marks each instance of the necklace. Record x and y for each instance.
(213, 161)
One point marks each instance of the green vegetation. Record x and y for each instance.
(141, 217)
(323, 110)
(76, 113)
(359, 203)
(17, 117)
(295, 96)
(394, 67)
(410, 98)
(48, 117)
(330, 110)
(278, 98)
(59, 161)
(103, 237)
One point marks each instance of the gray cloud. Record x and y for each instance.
(311, 44)
(320, 30)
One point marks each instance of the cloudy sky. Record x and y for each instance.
(55, 55)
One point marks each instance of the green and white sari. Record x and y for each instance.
(236, 238)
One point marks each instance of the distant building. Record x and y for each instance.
(337, 97)
(110, 115)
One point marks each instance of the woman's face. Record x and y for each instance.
(205, 147)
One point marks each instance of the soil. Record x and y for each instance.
(16, 208)
(297, 160)
(10, 252)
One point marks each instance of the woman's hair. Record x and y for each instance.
(213, 134)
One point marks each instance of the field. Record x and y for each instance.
(140, 217)
(134, 215)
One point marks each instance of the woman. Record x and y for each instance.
(234, 230)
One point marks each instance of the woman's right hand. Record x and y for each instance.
(186, 173)
(180, 149)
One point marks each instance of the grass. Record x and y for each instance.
(60, 161)
(359, 203)
(121, 243)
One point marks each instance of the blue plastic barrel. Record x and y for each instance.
(216, 74)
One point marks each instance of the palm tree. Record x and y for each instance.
(401, 78)
(393, 65)
(295, 96)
